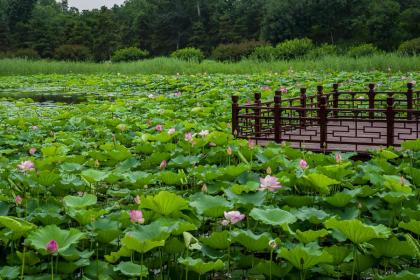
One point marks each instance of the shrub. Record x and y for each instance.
(235, 51)
(363, 50)
(72, 53)
(265, 53)
(322, 51)
(410, 47)
(129, 54)
(26, 53)
(189, 54)
(295, 48)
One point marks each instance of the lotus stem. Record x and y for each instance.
(52, 267)
(271, 261)
(23, 262)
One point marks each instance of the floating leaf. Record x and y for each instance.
(272, 216)
(132, 269)
(201, 267)
(209, 205)
(79, 202)
(356, 231)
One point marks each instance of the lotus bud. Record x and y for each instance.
(269, 171)
(273, 244)
(229, 151)
(52, 247)
(136, 216)
(338, 157)
(163, 164)
(204, 188)
(137, 199)
(18, 200)
(32, 151)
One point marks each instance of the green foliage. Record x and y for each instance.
(129, 54)
(235, 52)
(362, 50)
(188, 54)
(264, 53)
(72, 53)
(296, 48)
(410, 47)
(30, 54)
(321, 51)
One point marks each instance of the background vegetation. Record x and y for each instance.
(222, 29)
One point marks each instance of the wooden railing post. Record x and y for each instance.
(409, 100)
(371, 96)
(319, 94)
(277, 118)
(235, 113)
(257, 112)
(390, 121)
(302, 113)
(323, 122)
(335, 99)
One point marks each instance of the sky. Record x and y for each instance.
(92, 4)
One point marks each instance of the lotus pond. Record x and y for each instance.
(141, 179)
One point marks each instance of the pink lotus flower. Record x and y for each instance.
(283, 89)
(163, 164)
(234, 217)
(27, 166)
(171, 131)
(269, 183)
(203, 133)
(136, 216)
(18, 200)
(52, 247)
(159, 127)
(188, 137)
(303, 164)
(177, 94)
(137, 199)
(251, 144)
(32, 151)
(338, 157)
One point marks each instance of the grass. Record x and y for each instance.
(170, 66)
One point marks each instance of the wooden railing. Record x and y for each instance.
(345, 120)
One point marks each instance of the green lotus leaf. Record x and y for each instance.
(364, 262)
(395, 197)
(403, 275)
(106, 230)
(305, 257)
(54, 150)
(217, 240)
(413, 145)
(339, 199)
(47, 178)
(201, 267)
(234, 171)
(356, 231)
(412, 225)
(174, 246)
(210, 206)
(393, 183)
(113, 257)
(339, 253)
(320, 182)
(132, 269)
(31, 257)
(84, 216)
(393, 248)
(165, 203)
(313, 215)
(93, 175)
(386, 154)
(271, 216)
(18, 226)
(79, 202)
(298, 200)
(72, 254)
(250, 186)
(184, 161)
(310, 235)
(191, 242)
(64, 238)
(172, 178)
(246, 199)
(146, 237)
(138, 177)
(99, 270)
(250, 240)
(277, 271)
(10, 272)
(176, 226)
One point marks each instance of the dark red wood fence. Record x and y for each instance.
(337, 120)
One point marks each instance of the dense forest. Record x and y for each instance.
(162, 26)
